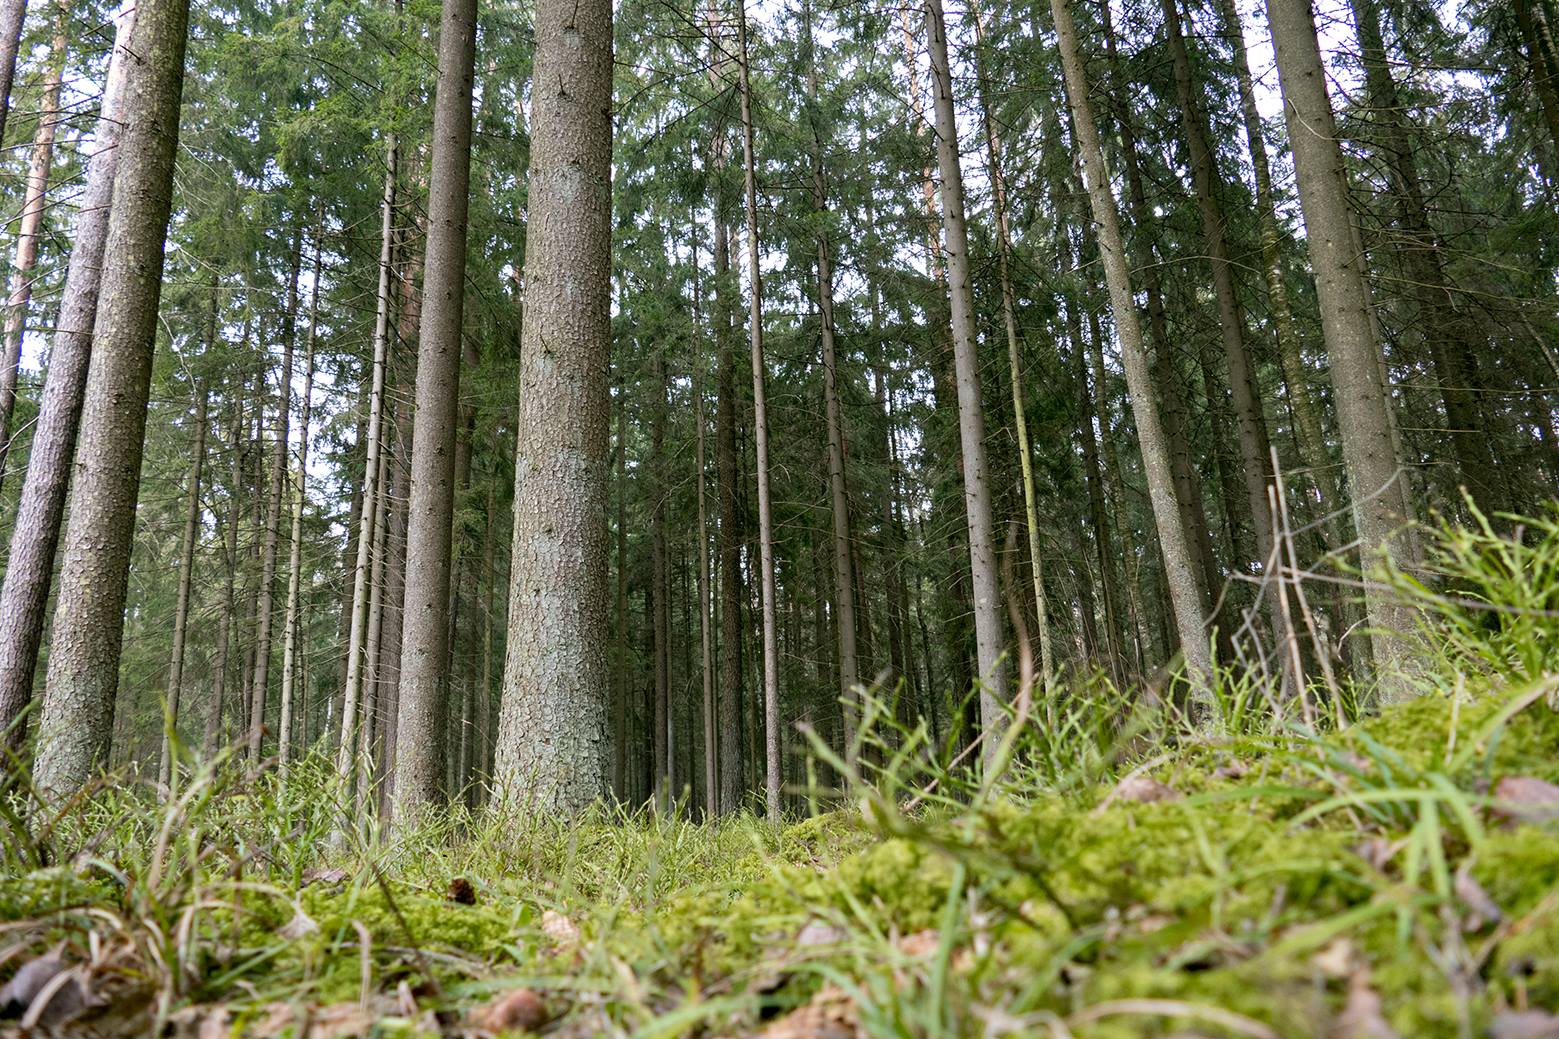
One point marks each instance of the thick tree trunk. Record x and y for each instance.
(989, 637)
(1363, 411)
(424, 656)
(771, 733)
(292, 661)
(78, 702)
(12, 14)
(1180, 571)
(36, 530)
(273, 508)
(1538, 41)
(552, 745)
(30, 229)
(186, 567)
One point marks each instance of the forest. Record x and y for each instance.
(806, 519)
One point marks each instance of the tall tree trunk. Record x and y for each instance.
(1363, 411)
(273, 507)
(839, 495)
(1014, 357)
(728, 536)
(29, 231)
(1543, 59)
(292, 661)
(36, 529)
(1180, 571)
(971, 417)
(1452, 344)
(771, 721)
(705, 629)
(556, 682)
(235, 508)
(620, 741)
(186, 567)
(12, 14)
(371, 771)
(78, 702)
(1307, 414)
(425, 642)
(660, 590)
(346, 749)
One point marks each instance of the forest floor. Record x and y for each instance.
(1395, 877)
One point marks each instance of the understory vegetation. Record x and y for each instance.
(1124, 876)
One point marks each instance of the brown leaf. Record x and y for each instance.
(337, 1021)
(461, 891)
(1524, 1024)
(1336, 959)
(816, 932)
(1483, 910)
(829, 1015)
(328, 877)
(1361, 1016)
(299, 926)
(1526, 799)
(519, 1010)
(1233, 770)
(1377, 851)
(921, 943)
(1143, 790)
(559, 928)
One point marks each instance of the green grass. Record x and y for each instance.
(1297, 876)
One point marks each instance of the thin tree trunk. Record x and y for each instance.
(1014, 359)
(273, 508)
(37, 526)
(705, 629)
(186, 567)
(230, 561)
(620, 745)
(1185, 592)
(346, 750)
(425, 643)
(552, 729)
(29, 231)
(78, 702)
(844, 577)
(971, 419)
(292, 661)
(771, 734)
(660, 591)
(1363, 412)
(1307, 415)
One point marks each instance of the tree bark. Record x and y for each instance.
(1363, 411)
(186, 566)
(13, 13)
(37, 527)
(273, 508)
(78, 702)
(1180, 571)
(660, 591)
(989, 638)
(552, 729)
(220, 668)
(30, 228)
(292, 662)
(771, 733)
(346, 749)
(425, 641)
(705, 629)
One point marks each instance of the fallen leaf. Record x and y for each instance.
(1526, 799)
(829, 1015)
(1361, 1016)
(921, 943)
(461, 891)
(1233, 770)
(519, 1010)
(328, 877)
(299, 926)
(560, 929)
(1524, 1024)
(1483, 910)
(1336, 959)
(1143, 790)
(816, 932)
(1377, 851)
